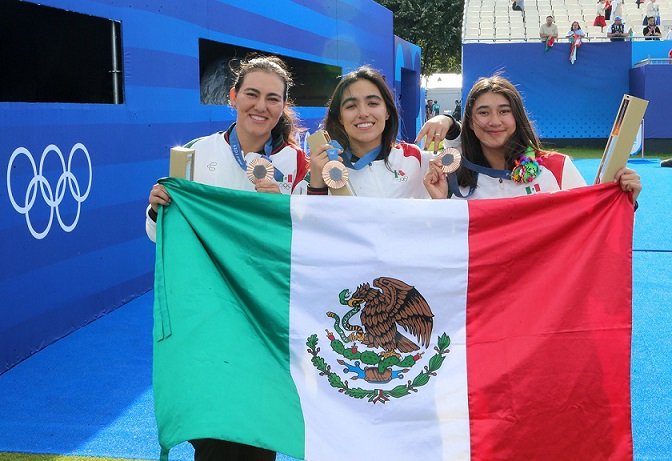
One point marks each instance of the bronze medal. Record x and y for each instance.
(450, 159)
(335, 174)
(260, 168)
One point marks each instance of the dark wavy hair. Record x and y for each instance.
(332, 121)
(522, 138)
(288, 124)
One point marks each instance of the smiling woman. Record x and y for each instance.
(263, 133)
(362, 117)
(261, 137)
(502, 155)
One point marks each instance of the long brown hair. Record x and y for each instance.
(332, 121)
(521, 139)
(287, 126)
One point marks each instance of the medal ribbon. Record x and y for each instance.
(492, 172)
(369, 157)
(335, 150)
(240, 158)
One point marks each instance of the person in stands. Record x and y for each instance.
(617, 31)
(548, 30)
(600, 19)
(652, 31)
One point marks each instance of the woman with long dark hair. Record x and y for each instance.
(264, 130)
(502, 155)
(362, 117)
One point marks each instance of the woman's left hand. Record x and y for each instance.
(434, 130)
(435, 181)
(629, 181)
(268, 186)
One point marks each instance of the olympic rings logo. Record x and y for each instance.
(51, 196)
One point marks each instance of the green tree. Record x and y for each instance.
(436, 26)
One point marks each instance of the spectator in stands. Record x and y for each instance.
(652, 9)
(519, 5)
(548, 30)
(651, 31)
(639, 2)
(575, 32)
(575, 36)
(617, 31)
(600, 19)
(436, 108)
(617, 8)
(607, 9)
(428, 109)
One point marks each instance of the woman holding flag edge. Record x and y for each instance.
(502, 155)
(262, 135)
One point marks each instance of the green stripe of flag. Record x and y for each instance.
(202, 361)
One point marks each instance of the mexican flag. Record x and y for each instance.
(332, 328)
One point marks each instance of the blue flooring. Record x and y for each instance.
(89, 394)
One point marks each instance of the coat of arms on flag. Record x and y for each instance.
(384, 310)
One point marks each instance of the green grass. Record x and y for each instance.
(40, 457)
(590, 152)
(581, 152)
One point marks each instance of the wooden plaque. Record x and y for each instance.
(182, 163)
(623, 134)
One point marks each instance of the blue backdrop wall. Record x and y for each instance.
(652, 82)
(575, 101)
(77, 177)
(407, 88)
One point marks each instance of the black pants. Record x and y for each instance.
(221, 450)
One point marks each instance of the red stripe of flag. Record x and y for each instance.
(549, 326)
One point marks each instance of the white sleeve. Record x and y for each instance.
(150, 226)
(456, 143)
(301, 188)
(571, 177)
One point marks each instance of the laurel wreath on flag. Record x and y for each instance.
(378, 395)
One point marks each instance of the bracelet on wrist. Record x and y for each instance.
(318, 190)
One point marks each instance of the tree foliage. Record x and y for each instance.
(435, 26)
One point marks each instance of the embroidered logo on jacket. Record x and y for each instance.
(532, 189)
(400, 175)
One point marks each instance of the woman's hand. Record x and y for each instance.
(318, 159)
(268, 186)
(629, 181)
(158, 196)
(435, 181)
(435, 129)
